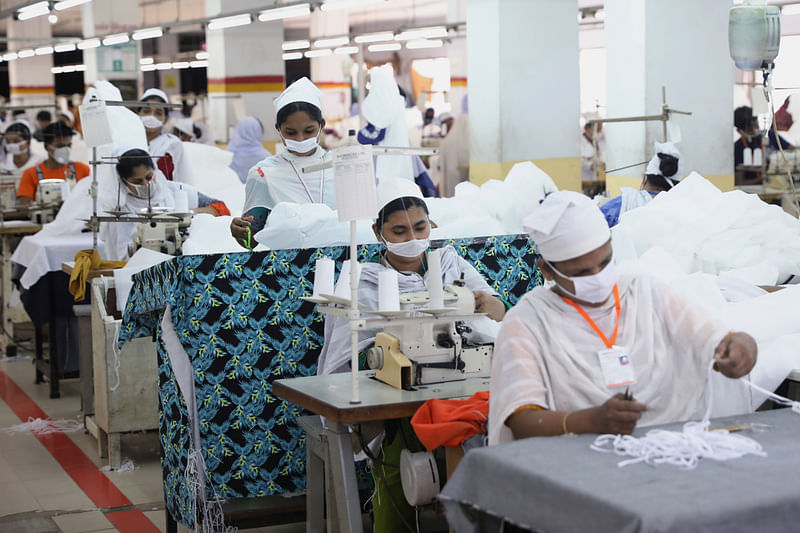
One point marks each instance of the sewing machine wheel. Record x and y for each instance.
(375, 358)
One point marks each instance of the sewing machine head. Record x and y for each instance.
(430, 349)
(50, 194)
(161, 236)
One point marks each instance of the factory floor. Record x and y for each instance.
(54, 483)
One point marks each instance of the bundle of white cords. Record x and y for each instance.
(685, 448)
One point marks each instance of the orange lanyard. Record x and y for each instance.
(609, 343)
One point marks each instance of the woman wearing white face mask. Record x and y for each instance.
(280, 178)
(160, 143)
(17, 147)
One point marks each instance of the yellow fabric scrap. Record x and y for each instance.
(85, 262)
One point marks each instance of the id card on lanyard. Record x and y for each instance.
(615, 362)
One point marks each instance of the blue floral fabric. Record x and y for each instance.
(240, 318)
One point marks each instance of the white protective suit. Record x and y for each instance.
(547, 355)
(335, 354)
(280, 178)
(167, 143)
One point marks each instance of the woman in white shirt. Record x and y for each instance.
(17, 147)
(164, 146)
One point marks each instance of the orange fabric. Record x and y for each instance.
(450, 422)
(220, 209)
(609, 343)
(29, 182)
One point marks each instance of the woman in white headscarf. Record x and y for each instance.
(17, 147)
(164, 146)
(247, 147)
(280, 178)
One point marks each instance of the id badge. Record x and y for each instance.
(617, 367)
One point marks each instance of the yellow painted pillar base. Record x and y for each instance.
(565, 171)
(723, 182)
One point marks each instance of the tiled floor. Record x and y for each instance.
(38, 496)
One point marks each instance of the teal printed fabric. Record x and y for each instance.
(240, 318)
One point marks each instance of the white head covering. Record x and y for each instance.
(186, 125)
(653, 167)
(300, 91)
(567, 225)
(155, 92)
(384, 104)
(67, 113)
(391, 189)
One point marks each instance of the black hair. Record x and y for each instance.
(743, 117)
(20, 129)
(135, 157)
(311, 110)
(668, 165)
(399, 204)
(44, 116)
(17, 112)
(56, 130)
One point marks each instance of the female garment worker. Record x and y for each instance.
(140, 184)
(403, 227)
(280, 178)
(663, 172)
(161, 144)
(565, 353)
(17, 147)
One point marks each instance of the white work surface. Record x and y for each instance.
(42, 254)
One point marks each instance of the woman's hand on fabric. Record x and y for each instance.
(736, 354)
(618, 416)
(486, 303)
(240, 228)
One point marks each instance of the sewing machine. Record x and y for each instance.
(431, 349)
(50, 194)
(163, 234)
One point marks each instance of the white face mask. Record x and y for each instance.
(409, 249)
(593, 289)
(139, 191)
(14, 148)
(61, 155)
(301, 147)
(151, 122)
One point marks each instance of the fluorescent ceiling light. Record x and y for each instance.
(34, 10)
(319, 53)
(163, 66)
(56, 70)
(346, 50)
(384, 47)
(66, 47)
(295, 45)
(66, 4)
(332, 5)
(26, 53)
(147, 68)
(80, 68)
(146, 61)
(229, 22)
(790, 9)
(180, 65)
(11, 56)
(147, 33)
(424, 43)
(422, 33)
(292, 55)
(43, 50)
(89, 43)
(68, 69)
(375, 37)
(330, 43)
(198, 64)
(201, 55)
(279, 13)
(116, 39)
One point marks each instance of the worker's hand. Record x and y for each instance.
(736, 354)
(486, 303)
(239, 227)
(618, 416)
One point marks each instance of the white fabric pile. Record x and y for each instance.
(211, 174)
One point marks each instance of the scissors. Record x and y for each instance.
(628, 396)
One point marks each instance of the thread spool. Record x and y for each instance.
(181, 201)
(323, 277)
(419, 476)
(343, 283)
(757, 156)
(435, 286)
(388, 291)
(747, 155)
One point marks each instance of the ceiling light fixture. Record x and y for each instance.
(292, 56)
(146, 61)
(295, 45)
(229, 22)
(34, 10)
(346, 50)
(375, 37)
(65, 47)
(52, 18)
(89, 43)
(280, 13)
(116, 39)
(389, 47)
(201, 55)
(66, 4)
(198, 64)
(43, 50)
(424, 43)
(331, 43)
(180, 65)
(319, 53)
(148, 33)
(422, 33)
(28, 52)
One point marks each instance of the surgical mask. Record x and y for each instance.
(594, 289)
(13, 148)
(61, 155)
(140, 191)
(151, 122)
(301, 147)
(408, 249)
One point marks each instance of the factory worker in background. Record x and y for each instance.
(247, 146)
(17, 147)
(663, 172)
(280, 178)
(185, 130)
(139, 185)
(161, 144)
(592, 160)
(566, 353)
(404, 227)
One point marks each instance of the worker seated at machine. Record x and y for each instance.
(57, 166)
(17, 147)
(141, 189)
(404, 228)
(664, 171)
(566, 353)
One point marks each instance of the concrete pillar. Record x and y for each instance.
(30, 78)
(331, 73)
(169, 80)
(457, 53)
(524, 103)
(245, 70)
(119, 63)
(644, 53)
